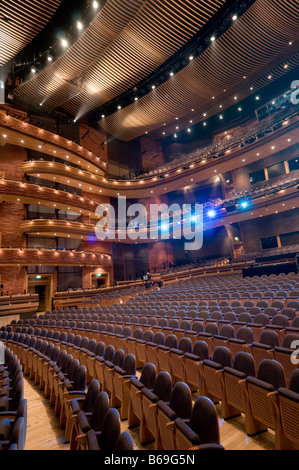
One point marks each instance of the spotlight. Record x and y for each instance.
(95, 5)
(64, 43)
(212, 213)
(244, 204)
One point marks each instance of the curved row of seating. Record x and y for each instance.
(13, 406)
(259, 334)
(63, 377)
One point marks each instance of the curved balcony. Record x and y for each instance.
(27, 193)
(58, 228)
(233, 158)
(46, 257)
(23, 134)
(261, 206)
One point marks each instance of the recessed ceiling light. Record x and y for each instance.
(171, 74)
(95, 5)
(153, 87)
(64, 43)
(79, 25)
(191, 57)
(235, 17)
(213, 38)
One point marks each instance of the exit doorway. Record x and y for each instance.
(41, 285)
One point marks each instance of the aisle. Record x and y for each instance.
(43, 429)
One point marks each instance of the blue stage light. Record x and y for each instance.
(212, 213)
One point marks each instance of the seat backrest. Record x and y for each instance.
(185, 345)
(222, 356)
(244, 362)
(110, 431)
(100, 410)
(269, 338)
(118, 358)
(129, 365)
(100, 349)
(227, 331)
(204, 421)
(148, 336)
(288, 340)
(109, 353)
(271, 372)
(124, 442)
(80, 379)
(201, 350)
(163, 386)
(148, 375)
(181, 400)
(280, 320)
(171, 341)
(294, 381)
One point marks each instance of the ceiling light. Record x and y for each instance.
(79, 25)
(269, 77)
(239, 109)
(119, 106)
(191, 57)
(171, 74)
(64, 43)
(175, 136)
(102, 116)
(285, 66)
(136, 98)
(95, 5)
(213, 38)
(235, 17)
(50, 58)
(221, 116)
(188, 130)
(153, 87)
(33, 70)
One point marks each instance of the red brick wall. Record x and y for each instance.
(13, 279)
(11, 159)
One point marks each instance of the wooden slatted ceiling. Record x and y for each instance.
(126, 42)
(247, 49)
(20, 22)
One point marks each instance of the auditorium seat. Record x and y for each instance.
(179, 406)
(270, 377)
(147, 379)
(202, 428)
(149, 399)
